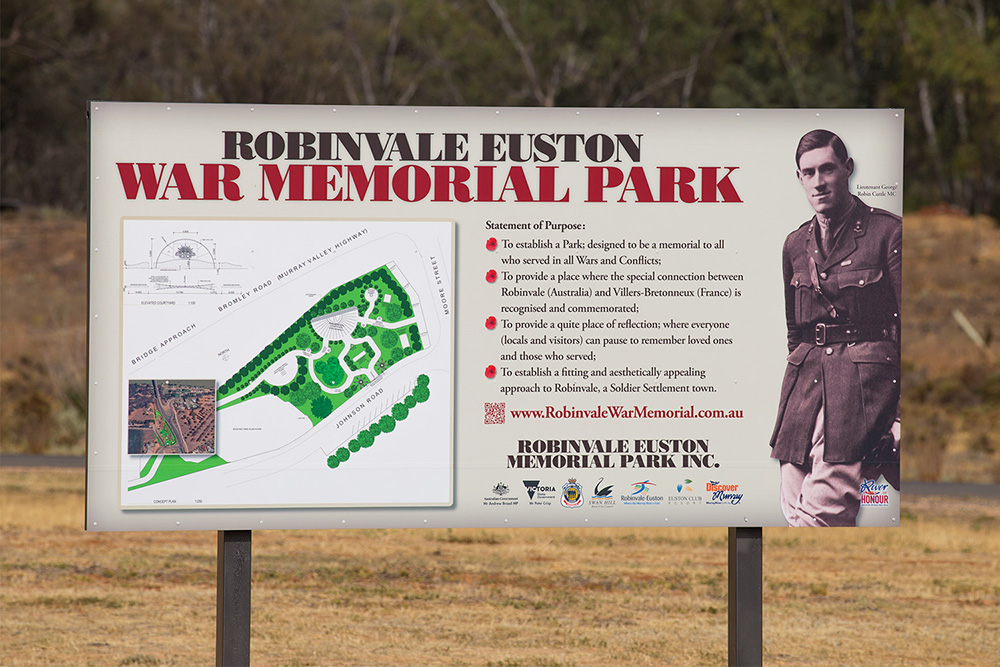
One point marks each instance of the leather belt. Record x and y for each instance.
(827, 334)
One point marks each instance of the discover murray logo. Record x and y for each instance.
(723, 494)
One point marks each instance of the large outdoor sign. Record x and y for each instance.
(318, 317)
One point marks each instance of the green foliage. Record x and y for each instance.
(387, 424)
(388, 339)
(936, 58)
(298, 398)
(393, 312)
(330, 371)
(309, 390)
(322, 407)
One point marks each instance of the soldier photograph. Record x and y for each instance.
(838, 414)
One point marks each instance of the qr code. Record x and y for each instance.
(496, 413)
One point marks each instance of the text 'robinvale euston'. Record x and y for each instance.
(426, 166)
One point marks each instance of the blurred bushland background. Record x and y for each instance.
(937, 59)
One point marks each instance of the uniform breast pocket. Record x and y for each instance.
(856, 289)
(804, 298)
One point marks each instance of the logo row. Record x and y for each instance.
(572, 494)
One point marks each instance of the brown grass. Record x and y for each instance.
(951, 387)
(43, 318)
(927, 593)
(951, 391)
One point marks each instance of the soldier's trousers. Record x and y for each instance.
(818, 493)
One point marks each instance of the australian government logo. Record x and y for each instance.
(572, 493)
(874, 494)
(723, 494)
(642, 494)
(603, 496)
(540, 494)
(500, 497)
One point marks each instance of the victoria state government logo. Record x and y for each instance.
(572, 495)
(538, 493)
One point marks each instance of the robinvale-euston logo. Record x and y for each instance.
(723, 494)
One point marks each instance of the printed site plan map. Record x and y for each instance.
(312, 368)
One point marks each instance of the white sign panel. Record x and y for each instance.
(307, 317)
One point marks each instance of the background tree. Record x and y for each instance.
(936, 58)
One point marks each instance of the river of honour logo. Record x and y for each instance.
(874, 494)
(572, 493)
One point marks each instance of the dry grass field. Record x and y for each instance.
(927, 593)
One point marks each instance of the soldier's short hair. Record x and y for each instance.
(821, 139)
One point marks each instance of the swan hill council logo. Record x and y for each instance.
(540, 494)
(641, 494)
(572, 493)
(603, 495)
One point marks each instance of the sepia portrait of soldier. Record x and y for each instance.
(838, 414)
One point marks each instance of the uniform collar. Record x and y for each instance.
(852, 225)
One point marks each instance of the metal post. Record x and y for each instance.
(746, 604)
(232, 608)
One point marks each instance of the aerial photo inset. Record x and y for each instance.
(171, 416)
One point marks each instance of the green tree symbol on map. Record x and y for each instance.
(322, 407)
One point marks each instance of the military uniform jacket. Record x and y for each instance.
(857, 382)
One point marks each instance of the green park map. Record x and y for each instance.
(352, 335)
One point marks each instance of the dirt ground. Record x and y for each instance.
(927, 593)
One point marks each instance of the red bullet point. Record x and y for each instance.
(491, 244)
(491, 276)
(491, 322)
(491, 372)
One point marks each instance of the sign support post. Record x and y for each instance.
(746, 638)
(232, 615)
